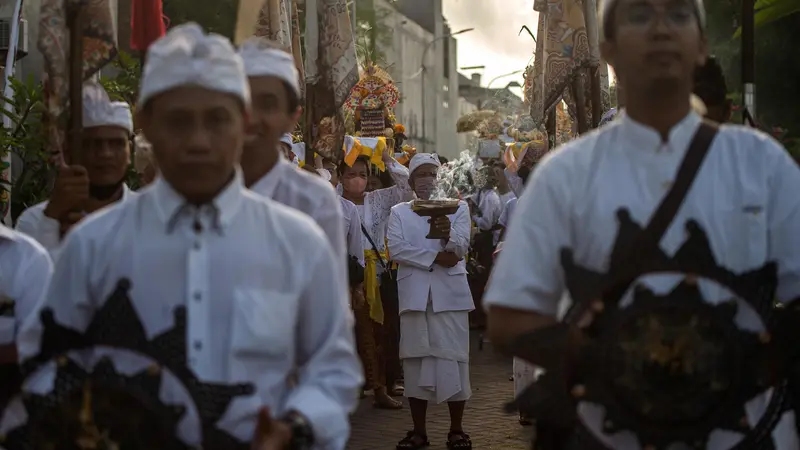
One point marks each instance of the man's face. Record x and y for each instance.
(106, 154)
(270, 116)
(656, 44)
(197, 136)
(423, 180)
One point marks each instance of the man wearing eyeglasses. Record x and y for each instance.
(100, 179)
(582, 215)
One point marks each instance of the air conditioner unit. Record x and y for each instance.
(5, 36)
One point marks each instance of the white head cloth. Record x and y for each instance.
(607, 8)
(287, 139)
(100, 111)
(421, 159)
(188, 56)
(261, 59)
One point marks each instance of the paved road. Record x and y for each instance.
(488, 426)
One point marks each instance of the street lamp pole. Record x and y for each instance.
(424, 69)
(488, 86)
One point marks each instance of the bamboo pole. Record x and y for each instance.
(580, 104)
(76, 17)
(590, 18)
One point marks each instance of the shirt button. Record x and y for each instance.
(198, 296)
(430, 270)
(192, 361)
(198, 345)
(197, 245)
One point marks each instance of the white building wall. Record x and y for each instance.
(404, 63)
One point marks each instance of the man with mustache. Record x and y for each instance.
(582, 197)
(100, 179)
(435, 301)
(275, 89)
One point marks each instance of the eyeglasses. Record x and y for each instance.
(643, 16)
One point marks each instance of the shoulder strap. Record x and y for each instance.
(374, 247)
(668, 208)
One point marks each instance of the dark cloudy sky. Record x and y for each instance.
(495, 42)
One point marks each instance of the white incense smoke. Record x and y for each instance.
(459, 178)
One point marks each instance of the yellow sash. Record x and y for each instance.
(373, 292)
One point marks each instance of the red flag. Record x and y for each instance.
(147, 23)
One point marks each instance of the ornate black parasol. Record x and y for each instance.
(105, 409)
(668, 368)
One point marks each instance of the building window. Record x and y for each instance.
(446, 88)
(445, 104)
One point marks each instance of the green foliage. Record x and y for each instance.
(218, 16)
(372, 34)
(768, 11)
(26, 140)
(124, 86)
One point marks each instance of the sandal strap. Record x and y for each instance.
(463, 441)
(413, 440)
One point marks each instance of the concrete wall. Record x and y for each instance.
(466, 141)
(440, 96)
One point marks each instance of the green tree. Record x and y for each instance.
(218, 16)
(26, 140)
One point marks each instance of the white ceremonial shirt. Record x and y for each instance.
(46, 230)
(308, 194)
(418, 278)
(25, 271)
(515, 182)
(352, 226)
(505, 217)
(488, 202)
(261, 293)
(744, 196)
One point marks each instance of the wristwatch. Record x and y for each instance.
(302, 433)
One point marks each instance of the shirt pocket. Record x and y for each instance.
(263, 324)
(749, 239)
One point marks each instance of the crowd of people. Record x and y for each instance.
(315, 282)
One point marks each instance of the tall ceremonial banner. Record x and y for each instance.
(331, 69)
(562, 53)
(93, 22)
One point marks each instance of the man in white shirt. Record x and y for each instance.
(25, 270)
(100, 179)
(237, 262)
(275, 87)
(435, 301)
(743, 197)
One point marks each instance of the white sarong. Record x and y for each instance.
(434, 348)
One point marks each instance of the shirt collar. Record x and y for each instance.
(646, 138)
(266, 185)
(169, 202)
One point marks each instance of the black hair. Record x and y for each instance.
(343, 166)
(291, 97)
(709, 83)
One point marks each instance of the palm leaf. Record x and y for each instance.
(768, 11)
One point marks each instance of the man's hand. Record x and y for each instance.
(442, 226)
(446, 259)
(270, 434)
(70, 191)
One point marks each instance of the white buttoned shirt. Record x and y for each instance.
(25, 271)
(308, 194)
(744, 197)
(261, 292)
